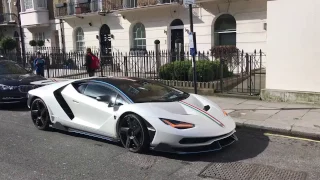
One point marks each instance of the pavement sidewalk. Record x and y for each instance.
(293, 119)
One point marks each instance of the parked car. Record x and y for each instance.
(16, 81)
(142, 114)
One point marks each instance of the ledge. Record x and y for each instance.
(276, 95)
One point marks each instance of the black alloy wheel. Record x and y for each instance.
(40, 114)
(133, 133)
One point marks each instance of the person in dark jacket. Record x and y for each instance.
(88, 62)
(39, 63)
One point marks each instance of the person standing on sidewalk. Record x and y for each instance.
(91, 62)
(39, 63)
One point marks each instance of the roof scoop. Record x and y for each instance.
(206, 108)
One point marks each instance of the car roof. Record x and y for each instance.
(117, 80)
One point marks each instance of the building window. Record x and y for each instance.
(131, 3)
(39, 36)
(139, 37)
(41, 4)
(28, 4)
(79, 36)
(225, 30)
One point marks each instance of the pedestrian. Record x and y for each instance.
(39, 63)
(92, 62)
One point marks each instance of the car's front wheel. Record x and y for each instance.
(40, 114)
(133, 133)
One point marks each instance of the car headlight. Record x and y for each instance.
(177, 124)
(6, 87)
(224, 112)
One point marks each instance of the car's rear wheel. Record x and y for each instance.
(40, 114)
(133, 133)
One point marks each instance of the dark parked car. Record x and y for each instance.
(16, 81)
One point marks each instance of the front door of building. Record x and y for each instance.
(177, 37)
(105, 45)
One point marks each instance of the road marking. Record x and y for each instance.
(291, 137)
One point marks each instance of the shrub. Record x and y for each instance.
(222, 51)
(40, 43)
(32, 43)
(183, 71)
(8, 43)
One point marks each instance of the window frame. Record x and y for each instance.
(44, 4)
(78, 33)
(221, 34)
(39, 36)
(30, 5)
(139, 37)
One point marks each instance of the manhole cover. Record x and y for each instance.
(242, 171)
(268, 172)
(229, 171)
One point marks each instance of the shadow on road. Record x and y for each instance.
(251, 143)
(14, 107)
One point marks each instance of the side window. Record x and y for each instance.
(81, 88)
(120, 100)
(95, 90)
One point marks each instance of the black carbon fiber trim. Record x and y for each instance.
(57, 94)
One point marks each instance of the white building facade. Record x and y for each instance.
(39, 23)
(9, 21)
(216, 22)
(293, 49)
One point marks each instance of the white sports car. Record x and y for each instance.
(142, 114)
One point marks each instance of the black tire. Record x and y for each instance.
(40, 114)
(134, 137)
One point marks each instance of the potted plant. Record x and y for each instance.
(8, 44)
(33, 43)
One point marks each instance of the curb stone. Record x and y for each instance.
(296, 131)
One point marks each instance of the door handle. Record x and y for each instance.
(75, 101)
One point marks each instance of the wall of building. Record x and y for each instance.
(250, 17)
(48, 31)
(293, 45)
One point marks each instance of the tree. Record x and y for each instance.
(8, 43)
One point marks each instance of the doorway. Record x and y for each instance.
(17, 38)
(105, 44)
(177, 40)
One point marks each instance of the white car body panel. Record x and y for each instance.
(96, 117)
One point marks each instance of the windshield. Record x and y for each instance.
(10, 67)
(151, 91)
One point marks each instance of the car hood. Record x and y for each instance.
(20, 79)
(191, 110)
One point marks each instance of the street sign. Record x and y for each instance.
(192, 43)
(187, 2)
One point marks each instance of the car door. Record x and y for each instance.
(90, 114)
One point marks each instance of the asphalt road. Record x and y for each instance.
(27, 154)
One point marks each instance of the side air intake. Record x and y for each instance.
(57, 94)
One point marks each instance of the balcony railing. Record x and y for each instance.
(82, 7)
(86, 6)
(129, 4)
